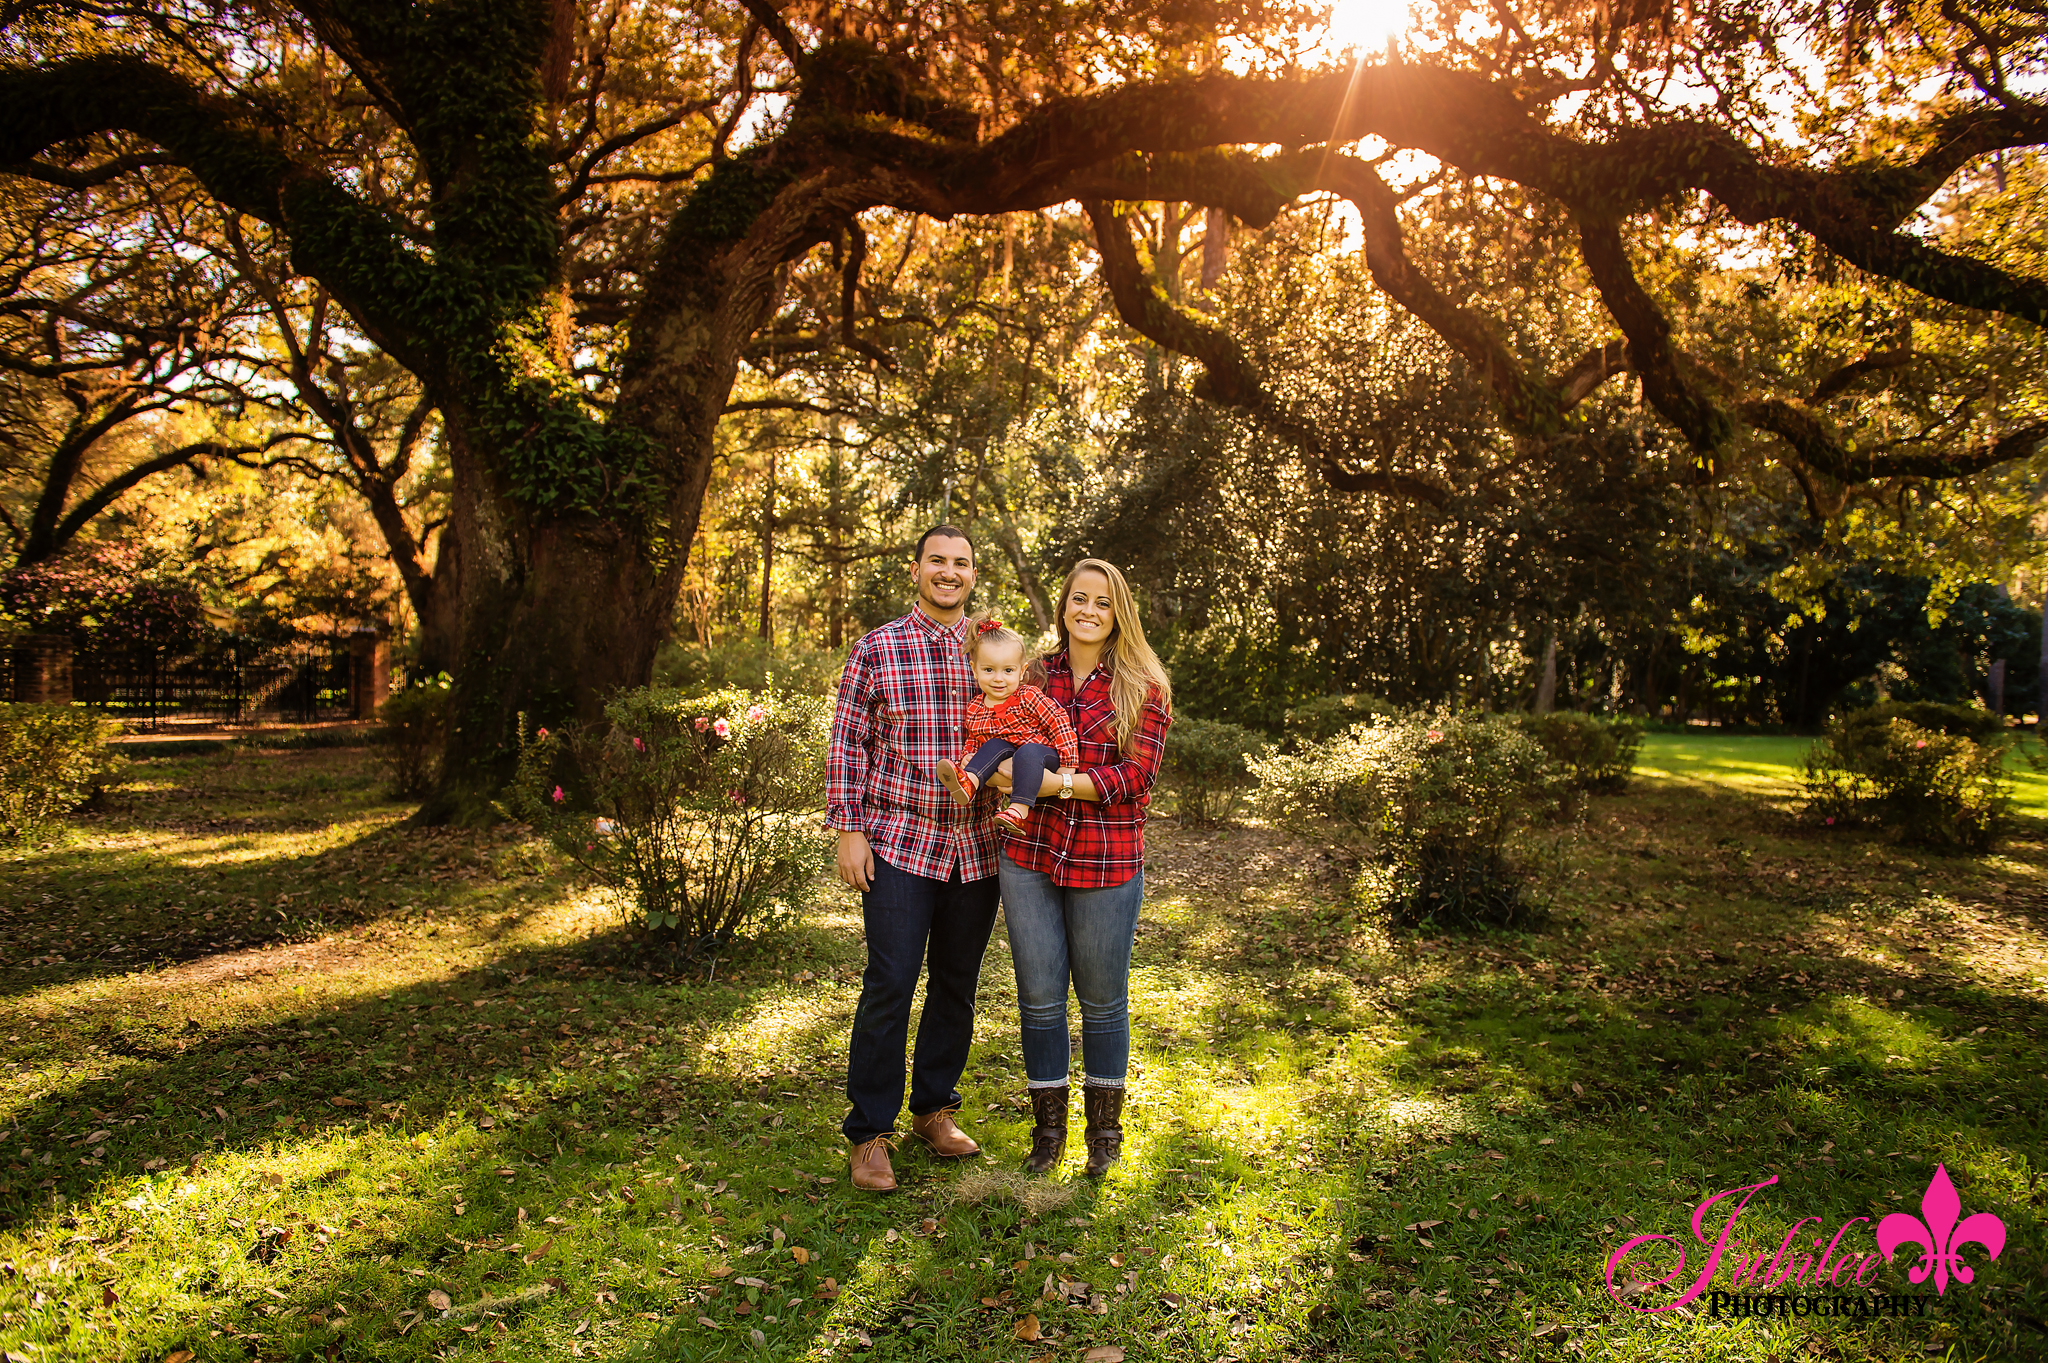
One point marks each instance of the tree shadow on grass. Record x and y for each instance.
(551, 1134)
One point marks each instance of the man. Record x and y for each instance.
(925, 867)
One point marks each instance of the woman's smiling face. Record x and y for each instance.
(1089, 614)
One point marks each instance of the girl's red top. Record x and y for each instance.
(1026, 717)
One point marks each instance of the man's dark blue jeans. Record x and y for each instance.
(915, 924)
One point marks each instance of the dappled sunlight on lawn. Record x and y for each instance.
(1338, 1143)
(1768, 763)
(807, 1020)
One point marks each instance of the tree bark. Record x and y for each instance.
(552, 616)
(1546, 685)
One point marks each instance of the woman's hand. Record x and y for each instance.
(1084, 789)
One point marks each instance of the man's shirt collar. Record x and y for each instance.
(957, 631)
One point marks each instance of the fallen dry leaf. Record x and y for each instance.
(800, 1254)
(178, 1356)
(439, 1300)
(1026, 1328)
(1103, 1353)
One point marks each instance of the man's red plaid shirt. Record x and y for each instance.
(901, 702)
(1093, 844)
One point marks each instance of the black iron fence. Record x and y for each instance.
(223, 678)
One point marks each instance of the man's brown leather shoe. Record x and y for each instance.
(871, 1171)
(938, 1130)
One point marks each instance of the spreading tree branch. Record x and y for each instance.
(1229, 376)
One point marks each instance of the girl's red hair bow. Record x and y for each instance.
(987, 625)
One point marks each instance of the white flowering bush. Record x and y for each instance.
(699, 814)
(1435, 802)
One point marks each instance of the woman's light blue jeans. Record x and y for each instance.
(1082, 936)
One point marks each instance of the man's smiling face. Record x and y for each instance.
(945, 576)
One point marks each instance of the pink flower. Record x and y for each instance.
(702, 724)
(721, 728)
(540, 733)
(1920, 743)
(1436, 735)
(737, 797)
(755, 713)
(1831, 821)
(638, 746)
(559, 797)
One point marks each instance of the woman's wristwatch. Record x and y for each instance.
(1066, 785)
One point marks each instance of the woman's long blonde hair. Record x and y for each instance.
(1135, 672)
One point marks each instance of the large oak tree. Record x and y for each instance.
(574, 223)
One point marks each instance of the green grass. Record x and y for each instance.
(279, 1071)
(1771, 764)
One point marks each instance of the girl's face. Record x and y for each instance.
(998, 669)
(1089, 614)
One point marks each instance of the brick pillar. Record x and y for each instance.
(42, 669)
(369, 680)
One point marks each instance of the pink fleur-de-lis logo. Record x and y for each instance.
(1939, 1236)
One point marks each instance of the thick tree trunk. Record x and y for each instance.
(552, 617)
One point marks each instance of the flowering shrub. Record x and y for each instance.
(1944, 790)
(698, 814)
(1436, 801)
(1205, 769)
(52, 758)
(1595, 753)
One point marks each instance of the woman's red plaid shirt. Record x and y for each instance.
(1093, 844)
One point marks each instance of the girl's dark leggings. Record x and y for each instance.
(1029, 762)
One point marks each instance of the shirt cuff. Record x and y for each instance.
(1108, 787)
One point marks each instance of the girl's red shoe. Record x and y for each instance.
(959, 784)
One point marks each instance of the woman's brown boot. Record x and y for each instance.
(1105, 1108)
(1048, 1129)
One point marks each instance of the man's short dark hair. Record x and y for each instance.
(951, 532)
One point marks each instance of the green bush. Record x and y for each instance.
(1943, 790)
(744, 665)
(1594, 753)
(415, 732)
(699, 814)
(1963, 721)
(1437, 801)
(1322, 719)
(52, 759)
(1205, 767)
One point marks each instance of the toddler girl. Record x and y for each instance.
(1010, 720)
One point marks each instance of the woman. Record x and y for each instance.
(1073, 877)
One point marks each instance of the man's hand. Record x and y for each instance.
(856, 859)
